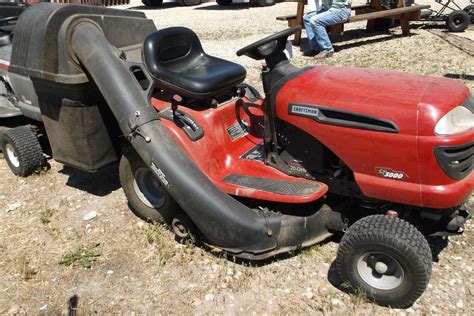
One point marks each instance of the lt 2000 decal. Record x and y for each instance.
(390, 174)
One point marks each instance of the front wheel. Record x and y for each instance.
(146, 196)
(22, 151)
(458, 21)
(385, 258)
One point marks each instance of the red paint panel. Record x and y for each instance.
(414, 103)
(217, 155)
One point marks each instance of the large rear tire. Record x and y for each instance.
(152, 3)
(190, 3)
(146, 196)
(470, 11)
(385, 258)
(458, 21)
(224, 2)
(265, 3)
(22, 151)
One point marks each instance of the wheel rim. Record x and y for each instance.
(458, 21)
(148, 189)
(12, 157)
(380, 271)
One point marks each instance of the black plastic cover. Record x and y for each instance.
(41, 46)
(456, 161)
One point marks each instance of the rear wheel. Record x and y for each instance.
(387, 259)
(146, 196)
(265, 3)
(22, 151)
(189, 3)
(152, 3)
(458, 21)
(470, 11)
(224, 2)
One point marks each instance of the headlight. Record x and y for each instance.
(458, 120)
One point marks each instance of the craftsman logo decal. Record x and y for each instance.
(304, 110)
(390, 174)
(159, 174)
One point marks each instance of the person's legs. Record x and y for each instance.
(324, 19)
(313, 44)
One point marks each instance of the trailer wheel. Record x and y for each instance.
(265, 3)
(189, 3)
(470, 11)
(146, 196)
(152, 3)
(22, 151)
(224, 2)
(387, 259)
(458, 21)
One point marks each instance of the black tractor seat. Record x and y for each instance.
(175, 58)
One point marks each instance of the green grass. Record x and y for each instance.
(46, 215)
(81, 255)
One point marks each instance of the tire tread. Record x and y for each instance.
(392, 231)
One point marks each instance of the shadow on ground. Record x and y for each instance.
(166, 5)
(235, 6)
(100, 183)
(363, 38)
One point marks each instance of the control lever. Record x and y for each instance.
(175, 101)
(183, 120)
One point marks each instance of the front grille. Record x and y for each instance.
(456, 161)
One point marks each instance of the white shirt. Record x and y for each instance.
(313, 5)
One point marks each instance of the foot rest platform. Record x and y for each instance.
(290, 191)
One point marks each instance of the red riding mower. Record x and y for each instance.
(253, 176)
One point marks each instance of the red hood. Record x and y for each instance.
(393, 96)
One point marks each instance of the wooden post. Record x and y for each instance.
(405, 24)
(299, 20)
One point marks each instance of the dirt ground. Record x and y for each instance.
(138, 268)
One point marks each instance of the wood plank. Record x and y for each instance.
(286, 17)
(393, 13)
(362, 7)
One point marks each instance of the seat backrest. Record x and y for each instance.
(172, 48)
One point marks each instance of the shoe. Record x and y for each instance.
(324, 54)
(310, 52)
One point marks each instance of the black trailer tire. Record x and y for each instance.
(265, 3)
(152, 3)
(22, 151)
(146, 197)
(387, 259)
(224, 2)
(190, 3)
(470, 11)
(458, 21)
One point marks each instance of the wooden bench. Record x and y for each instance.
(362, 8)
(362, 12)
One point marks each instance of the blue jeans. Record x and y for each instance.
(315, 24)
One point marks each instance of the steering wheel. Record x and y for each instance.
(269, 45)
